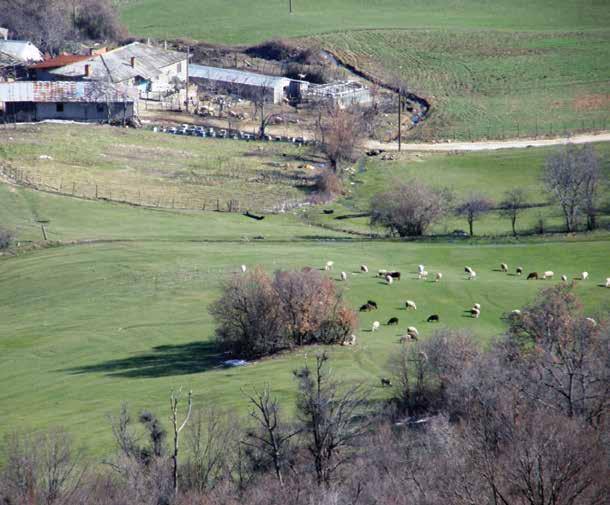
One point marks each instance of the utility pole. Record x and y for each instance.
(399, 117)
(188, 58)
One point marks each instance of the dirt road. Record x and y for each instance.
(491, 145)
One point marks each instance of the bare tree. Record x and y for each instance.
(270, 436)
(472, 208)
(572, 176)
(511, 206)
(341, 133)
(408, 209)
(327, 412)
(177, 428)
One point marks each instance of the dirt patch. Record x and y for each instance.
(591, 102)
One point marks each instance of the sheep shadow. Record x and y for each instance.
(162, 361)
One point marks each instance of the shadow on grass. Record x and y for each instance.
(162, 361)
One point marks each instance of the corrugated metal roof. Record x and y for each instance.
(6, 60)
(117, 63)
(23, 50)
(236, 76)
(63, 91)
(60, 61)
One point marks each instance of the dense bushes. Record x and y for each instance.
(258, 315)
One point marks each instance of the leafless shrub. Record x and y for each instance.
(341, 132)
(472, 208)
(408, 209)
(514, 202)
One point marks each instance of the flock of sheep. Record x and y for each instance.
(475, 311)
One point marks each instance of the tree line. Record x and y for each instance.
(573, 178)
(524, 422)
(54, 25)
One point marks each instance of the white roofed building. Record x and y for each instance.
(21, 50)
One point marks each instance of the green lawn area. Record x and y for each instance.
(87, 327)
(491, 174)
(251, 21)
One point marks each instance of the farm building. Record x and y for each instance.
(40, 71)
(244, 84)
(150, 69)
(8, 67)
(21, 50)
(77, 101)
(342, 94)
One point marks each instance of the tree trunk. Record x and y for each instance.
(470, 222)
(514, 222)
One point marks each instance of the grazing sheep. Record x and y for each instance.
(420, 268)
(590, 320)
(474, 312)
(472, 275)
(376, 325)
(608, 282)
(389, 279)
(412, 331)
(584, 276)
(410, 304)
(477, 306)
(382, 273)
(393, 321)
(532, 275)
(504, 267)
(548, 274)
(515, 312)
(351, 340)
(343, 276)
(364, 268)
(243, 269)
(438, 276)
(433, 318)
(519, 270)
(372, 303)
(386, 382)
(329, 265)
(394, 275)
(564, 278)
(366, 308)
(423, 275)
(467, 270)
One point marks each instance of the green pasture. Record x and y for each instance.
(247, 22)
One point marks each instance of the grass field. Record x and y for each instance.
(491, 84)
(491, 174)
(223, 22)
(157, 170)
(116, 309)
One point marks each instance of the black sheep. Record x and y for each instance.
(393, 321)
(433, 318)
(372, 303)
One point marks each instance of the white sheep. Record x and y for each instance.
(329, 265)
(410, 304)
(548, 274)
(420, 268)
(438, 276)
(412, 332)
(608, 282)
(472, 275)
(504, 267)
(584, 276)
(477, 306)
(389, 279)
(343, 276)
(243, 269)
(375, 326)
(590, 320)
(474, 312)
(364, 268)
(516, 312)
(423, 275)
(564, 278)
(467, 269)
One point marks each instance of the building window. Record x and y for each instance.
(59, 107)
(179, 67)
